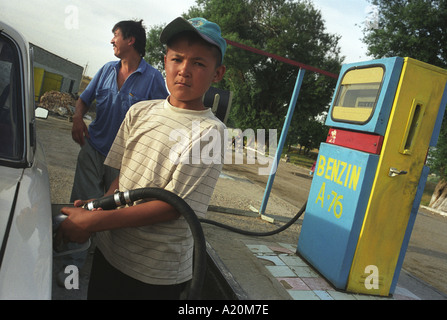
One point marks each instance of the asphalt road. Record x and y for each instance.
(426, 257)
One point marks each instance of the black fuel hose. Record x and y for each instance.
(199, 267)
(127, 197)
(258, 234)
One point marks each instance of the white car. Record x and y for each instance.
(25, 205)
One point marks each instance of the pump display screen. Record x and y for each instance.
(357, 95)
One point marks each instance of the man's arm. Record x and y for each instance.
(79, 129)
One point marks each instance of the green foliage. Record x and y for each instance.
(299, 159)
(416, 29)
(154, 49)
(262, 87)
(311, 134)
(413, 28)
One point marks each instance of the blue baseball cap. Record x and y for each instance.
(208, 30)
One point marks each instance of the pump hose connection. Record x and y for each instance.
(199, 268)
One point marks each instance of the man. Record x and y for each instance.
(116, 86)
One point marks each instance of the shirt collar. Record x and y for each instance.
(141, 67)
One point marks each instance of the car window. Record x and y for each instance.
(11, 113)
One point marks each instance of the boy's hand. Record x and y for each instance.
(80, 203)
(74, 227)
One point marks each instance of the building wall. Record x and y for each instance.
(51, 63)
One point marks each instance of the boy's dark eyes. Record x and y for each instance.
(179, 60)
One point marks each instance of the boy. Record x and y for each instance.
(145, 250)
(115, 87)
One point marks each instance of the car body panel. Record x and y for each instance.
(26, 269)
(25, 204)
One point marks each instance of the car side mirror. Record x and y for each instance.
(41, 113)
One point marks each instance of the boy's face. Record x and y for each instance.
(190, 70)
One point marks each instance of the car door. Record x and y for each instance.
(25, 206)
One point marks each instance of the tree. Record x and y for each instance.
(154, 49)
(311, 135)
(262, 87)
(417, 29)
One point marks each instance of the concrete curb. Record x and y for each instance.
(442, 213)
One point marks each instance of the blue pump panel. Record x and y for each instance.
(381, 99)
(335, 210)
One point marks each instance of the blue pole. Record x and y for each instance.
(282, 140)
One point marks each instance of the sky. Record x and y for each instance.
(80, 30)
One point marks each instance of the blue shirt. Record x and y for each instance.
(146, 83)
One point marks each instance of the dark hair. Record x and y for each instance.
(133, 28)
(192, 38)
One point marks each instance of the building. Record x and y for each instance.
(52, 72)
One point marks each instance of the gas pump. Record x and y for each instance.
(370, 172)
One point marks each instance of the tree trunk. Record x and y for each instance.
(439, 198)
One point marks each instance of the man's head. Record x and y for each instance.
(133, 29)
(207, 30)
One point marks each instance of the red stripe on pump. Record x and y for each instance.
(361, 141)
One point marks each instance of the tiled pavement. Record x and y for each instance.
(302, 282)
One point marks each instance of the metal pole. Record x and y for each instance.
(282, 140)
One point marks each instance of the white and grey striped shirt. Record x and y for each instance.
(159, 145)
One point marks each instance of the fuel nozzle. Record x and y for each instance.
(109, 202)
